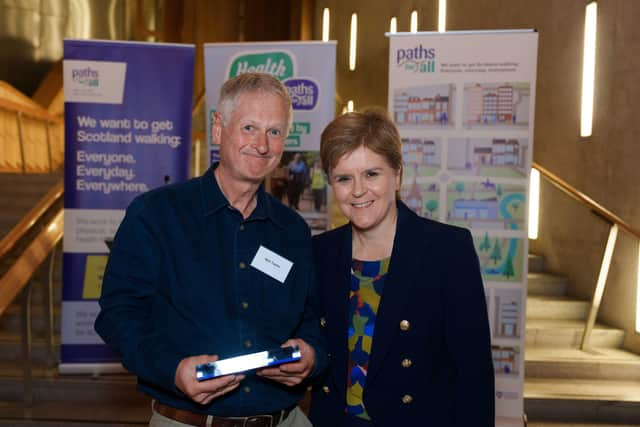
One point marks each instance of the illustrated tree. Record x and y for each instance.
(508, 268)
(459, 187)
(431, 206)
(499, 190)
(496, 253)
(485, 245)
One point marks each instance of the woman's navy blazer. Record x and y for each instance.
(430, 361)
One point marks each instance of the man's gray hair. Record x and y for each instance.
(251, 83)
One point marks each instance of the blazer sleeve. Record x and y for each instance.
(467, 335)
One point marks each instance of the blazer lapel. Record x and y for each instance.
(403, 271)
(340, 308)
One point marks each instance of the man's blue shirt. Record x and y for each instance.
(179, 283)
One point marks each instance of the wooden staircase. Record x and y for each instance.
(563, 383)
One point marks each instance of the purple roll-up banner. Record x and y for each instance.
(127, 131)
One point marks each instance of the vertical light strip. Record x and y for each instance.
(325, 24)
(638, 294)
(534, 203)
(414, 22)
(393, 25)
(588, 68)
(442, 16)
(353, 43)
(350, 106)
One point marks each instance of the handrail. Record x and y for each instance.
(586, 200)
(15, 279)
(615, 222)
(199, 100)
(24, 225)
(35, 113)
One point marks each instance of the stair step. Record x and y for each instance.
(75, 388)
(11, 347)
(572, 363)
(536, 263)
(65, 398)
(11, 319)
(555, 307)
(546, 284)
(72, 414)
(568, 333)
(581, 400)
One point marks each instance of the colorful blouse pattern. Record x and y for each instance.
(367, 282)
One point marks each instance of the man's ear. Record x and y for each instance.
(216, 127)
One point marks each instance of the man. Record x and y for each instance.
(180, 288)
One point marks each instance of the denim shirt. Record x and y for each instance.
(179, 283)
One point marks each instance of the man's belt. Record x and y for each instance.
(200, 420)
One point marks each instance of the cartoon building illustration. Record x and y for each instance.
(400, 108)
(501, 152)
(498, 156)
(472, 208)
(418, 152)
(423, 106)
(474, 103)
(507, 314)
(505, 360)
(505, 103)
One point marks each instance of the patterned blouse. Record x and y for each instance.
(367, 282)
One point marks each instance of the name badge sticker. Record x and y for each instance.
(271, 264)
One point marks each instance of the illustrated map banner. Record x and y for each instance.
(308, 71)
(464, 105)
(127, 130)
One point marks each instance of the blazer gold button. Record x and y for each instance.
(405, 325)
(323, 322)
(242, 265)
(406, 399)
(248, 344)
(325, 389)
(406, 363)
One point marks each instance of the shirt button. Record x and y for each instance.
(244, 305)
(406, 399)
(241, 227)
(248, 344)
(406, 363)
(247, 389)
(242, 265)
(325, 389)
(405, 325)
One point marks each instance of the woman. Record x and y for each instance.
(401, 297)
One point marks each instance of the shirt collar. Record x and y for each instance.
(213, 199)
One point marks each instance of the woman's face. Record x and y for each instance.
(364, 186)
